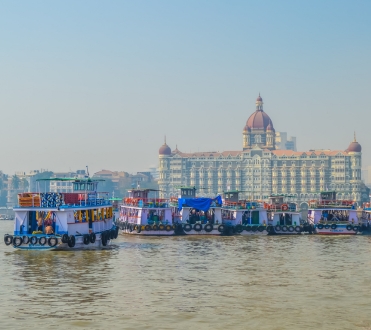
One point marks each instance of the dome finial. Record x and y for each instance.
(165, 139)
(355, 139)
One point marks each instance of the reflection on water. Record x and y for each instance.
(299, 282)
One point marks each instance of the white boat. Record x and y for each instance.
(141, 215)
(245, 217)
(53, 221)
(284, 219)
(334, 217)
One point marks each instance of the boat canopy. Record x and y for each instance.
(202, 204)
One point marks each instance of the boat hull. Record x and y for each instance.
(148, 232)
(341, 229)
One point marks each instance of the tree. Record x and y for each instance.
(25, 184)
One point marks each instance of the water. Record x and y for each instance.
(301, 282)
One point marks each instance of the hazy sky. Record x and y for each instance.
(100, 83)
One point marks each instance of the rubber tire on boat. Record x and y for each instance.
(320, 226)
(291, 229)
(155, 227)
(33, 240)
(92, 238)
(52, 239)
(131, 227)
(197, 227)
(139, 229)
(239, 228)
(112, 233)
(42, 240)
(298, 229)
(161, 227)
(86, 239)
(284, 229)
(147, 228)
(168, 227)
(71, 241)
(254, 228)
(64, 238)
(103, 237)
(248, 228)
(355, 228)
(17, 241)
(334, 226)
(277, 228)
(221, 228)
(268, 228)
(187, 227)
(261, 229)
(208, 227)
(327, 226)
(26, 240)
(349, 227)
(8, 239)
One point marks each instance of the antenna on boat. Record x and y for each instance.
(87, 171)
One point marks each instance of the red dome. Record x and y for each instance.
(270, 127)
(354, 147)
(259, 120)
(164, 150)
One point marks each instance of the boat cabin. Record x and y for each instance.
(277, 203)
(285, 219)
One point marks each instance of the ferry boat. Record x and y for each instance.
(197, 215)
(53, 221)
(284, 219)
(245, 217)
(141, 215)
(334, 217)
(365, 225)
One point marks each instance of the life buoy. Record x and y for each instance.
(86, 239)
(254, 228)
(147, 228)
(8, 239)
(277, 228)
(139, 228)
(187, 227)
(248, 228)
(284, 207)
(64, 238)
(320, 226)
(355, 228)
(268, 228)
(349, 227)
(26, 239)
(291, 229)
(221, 228)
(42, 240)
(298, 229)
(334, 226)
(239, 228)
(33, 240)
(52, 241)
(284, 228)
(261, 229)
(168, 228)
(92, 238)
(155, 227)
(208, 227)
(197, 227)
(71, 241)
(17, 241)
(327, 226)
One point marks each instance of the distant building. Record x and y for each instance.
(65, 186)
(284, 143)
(260, 169)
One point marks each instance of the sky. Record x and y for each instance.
(100, 83)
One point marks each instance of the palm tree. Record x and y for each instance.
(15, 182)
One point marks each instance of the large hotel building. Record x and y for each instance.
(260, 169)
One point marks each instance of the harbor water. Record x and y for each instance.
(264, 282)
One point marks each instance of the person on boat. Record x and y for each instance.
(49, 230)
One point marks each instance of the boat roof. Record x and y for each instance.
(72, 179)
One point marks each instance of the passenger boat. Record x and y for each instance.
(245, 217)
(197, 216)
(141, 215)
(333, 217)
(52, 221)
(365, 225)
(284, 219)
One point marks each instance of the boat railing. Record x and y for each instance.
(51, 199)
(146, 202)
(280, 207)
(330, 203)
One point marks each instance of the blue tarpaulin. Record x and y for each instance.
(202, 204)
